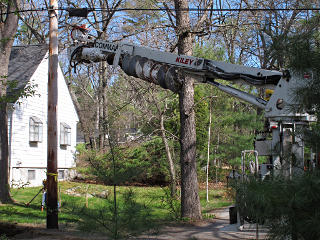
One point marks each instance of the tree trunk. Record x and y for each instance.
(215, 157)
(103, 109)
(100, 97)
(105, 99)
(208, 156)
(190, 202)
(81, 114)
(169, 158)
(8, 28)
(4, 157)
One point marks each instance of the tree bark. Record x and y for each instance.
(105, 100)
(101, 98)
(190, 201)
(169, 158)
(8, 28)
(215, 157)
(208, 153)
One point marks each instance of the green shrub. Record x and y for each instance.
(172, 203)
(130, 217)
(144, 164)
(289, 207)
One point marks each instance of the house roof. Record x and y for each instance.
(24, 60)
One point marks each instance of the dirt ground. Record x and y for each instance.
(213, 229)
(39, 232)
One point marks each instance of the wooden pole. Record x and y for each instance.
(52, 177)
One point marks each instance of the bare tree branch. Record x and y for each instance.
(199, 24)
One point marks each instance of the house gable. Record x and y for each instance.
(28, 156)
(24, 61)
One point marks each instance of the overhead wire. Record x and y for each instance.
(168, 9)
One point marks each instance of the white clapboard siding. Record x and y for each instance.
(26, 156)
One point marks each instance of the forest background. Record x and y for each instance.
(114, 108)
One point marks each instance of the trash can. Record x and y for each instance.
(233, 215)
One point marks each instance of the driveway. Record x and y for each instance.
(217, 228)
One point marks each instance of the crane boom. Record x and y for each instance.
(203, 68)
(163, 68)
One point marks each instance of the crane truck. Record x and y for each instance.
(163, 68)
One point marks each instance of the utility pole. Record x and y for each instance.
(52, 176)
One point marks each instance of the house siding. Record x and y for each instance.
(25, 155)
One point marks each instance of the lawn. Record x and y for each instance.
(139, 208)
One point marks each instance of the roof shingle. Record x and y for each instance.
(24, 60)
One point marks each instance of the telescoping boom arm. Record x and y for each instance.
(163, 68)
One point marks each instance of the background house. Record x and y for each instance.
(27, 119)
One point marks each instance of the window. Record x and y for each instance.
(35, 129)
(61, 174)
(31, 175)
(65, 134)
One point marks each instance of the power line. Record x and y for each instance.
(167, 9)
(209, 10)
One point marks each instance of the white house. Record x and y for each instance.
(27, 119)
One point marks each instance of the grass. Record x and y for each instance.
(217, 199)
(147, 207)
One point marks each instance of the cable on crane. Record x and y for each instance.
(249, 78)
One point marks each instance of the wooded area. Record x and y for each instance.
(159, 137)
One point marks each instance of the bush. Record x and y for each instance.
(172, 203)
(289, 207)
(142, 164)
(130, 217)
